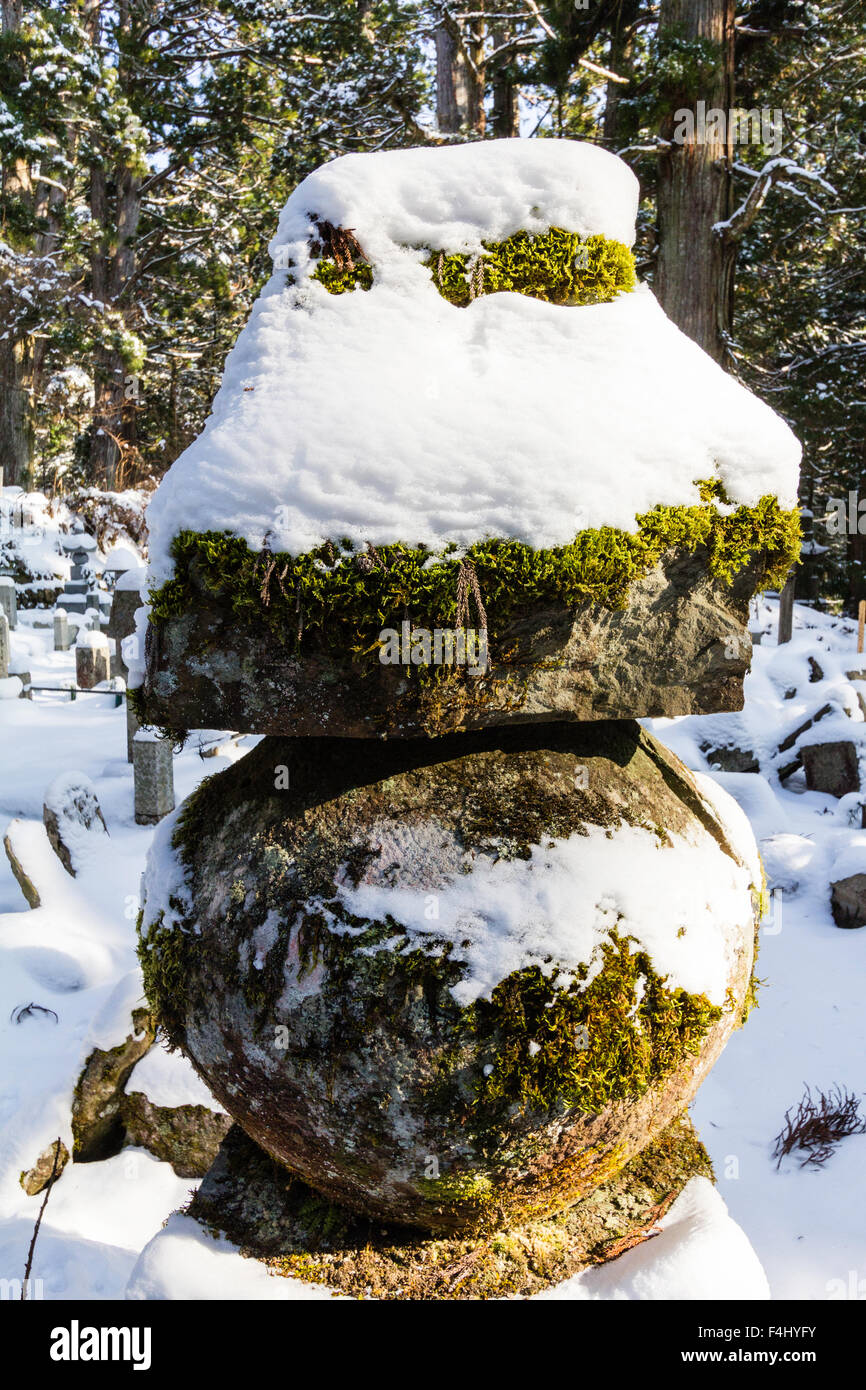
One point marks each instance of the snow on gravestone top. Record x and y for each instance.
(391, 415)
(78, 540)
(132, 580)
(94, 640)
(121, 559)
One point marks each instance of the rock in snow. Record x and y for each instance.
(403, 921)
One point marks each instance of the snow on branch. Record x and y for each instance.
(734, 227)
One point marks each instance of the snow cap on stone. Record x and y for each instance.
(391, 415)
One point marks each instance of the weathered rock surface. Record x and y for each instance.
(339, 1045)
(681, 646)
(831, 767)
(51, 1160)
(73, 820)
(23, 879)
(122, 622)
(729, 758)
(97, 1123)
(186, 1136)
(92, 660)
(848, 901)
(272, 1214)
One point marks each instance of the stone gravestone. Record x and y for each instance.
(153, 772)
(124, 605)
(4, 646)
(62, 637)
(92, 659)
(831, 767)
(848, 901)
(75, 589)
(73, 820)
(8, 600)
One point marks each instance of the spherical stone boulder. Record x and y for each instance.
(458, 984)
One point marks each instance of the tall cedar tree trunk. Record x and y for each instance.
(16, 352)
(694, 279)
(856, 546)
(115, 206)
(503, 115)
(620, 58)
(459, 78)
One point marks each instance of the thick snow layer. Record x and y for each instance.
(808, 1228)
(168, 1080)
(97, 1220)
(10, 688)
(735, 821)
(186, 1262)
(454, 198)
(121, 558)
(700, 1253)
(93, 640)
(132, 579)
(688, 905)
(391, 415)
(70, 796)
(165, 879)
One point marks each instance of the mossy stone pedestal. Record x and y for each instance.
(275, 1217)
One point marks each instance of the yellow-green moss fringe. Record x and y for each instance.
(345, 597)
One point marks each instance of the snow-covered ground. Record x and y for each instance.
(808, 1226)
(75, 955)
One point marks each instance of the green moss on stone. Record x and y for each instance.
(342, 599)
(537, 1044)
(341, 279)
(585, 1045)
(557, 266)
(166, 954)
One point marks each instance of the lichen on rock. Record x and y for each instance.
(97, 1125)
(186, 1136)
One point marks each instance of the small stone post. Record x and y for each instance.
(153, 774)
(8, 600)
(62, 639)
(4, 646)
(786, 610)
(92, 660)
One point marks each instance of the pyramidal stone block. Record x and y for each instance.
(570, 522)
